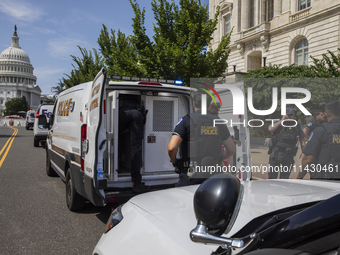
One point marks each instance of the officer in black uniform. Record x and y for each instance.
(132, 117)
(317, 121)
(321, 156)
(210, 153)
(284, 145)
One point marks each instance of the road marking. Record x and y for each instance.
(9, 143)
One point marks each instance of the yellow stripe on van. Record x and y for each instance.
(75, 158)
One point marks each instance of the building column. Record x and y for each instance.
(293, 6)
(277, 7)
(235, 17)
(257, 12)
(244, 14)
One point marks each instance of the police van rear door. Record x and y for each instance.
(162, 118)
(95, 143)
(237, 125)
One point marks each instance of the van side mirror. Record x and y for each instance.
(216, 204)
(42, 121)
(50, 124)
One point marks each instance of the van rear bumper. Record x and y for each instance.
(40, 137)
(92, 193)
(29, 124)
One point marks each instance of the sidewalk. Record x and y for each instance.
(260, 158)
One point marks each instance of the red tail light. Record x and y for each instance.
(104, 106)
(82, 144)
(37, 115)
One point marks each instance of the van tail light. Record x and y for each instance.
(37, 115)
(104, 106)
(83, 144)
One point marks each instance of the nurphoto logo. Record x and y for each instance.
(239, 102)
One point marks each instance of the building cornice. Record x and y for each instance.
(261, 33)
(306, 20)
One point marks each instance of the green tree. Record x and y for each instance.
(328, 66)
(85, 69)
(275, 71)
(120, 56)
(15, 105)
(178, 48)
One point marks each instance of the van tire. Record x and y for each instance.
(36, 142)
(49, 170)
(74, 201)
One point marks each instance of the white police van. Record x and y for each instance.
(30, 118)
(40, 131)
(85, 149)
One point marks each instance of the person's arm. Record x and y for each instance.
(306, 161)
(306, 133)
(173, 146)
(275, 126)
(230, 147)
(302, 143)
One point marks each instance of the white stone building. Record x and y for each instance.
(16, 76)
(281, 32)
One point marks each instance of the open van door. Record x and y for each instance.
(112, 108)
(239, 130)
(94, 145)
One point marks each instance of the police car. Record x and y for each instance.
(227, 216)
(86, 150)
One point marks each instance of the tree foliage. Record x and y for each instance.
(178, 48)
(85, 68)
(317, 79)
(328, 66)
(119, 52)
(275, 71)
(15, 105)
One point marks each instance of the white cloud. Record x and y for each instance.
(82, 15)
(43, 72)
(45, 31)
(62, 48)
(21, 10)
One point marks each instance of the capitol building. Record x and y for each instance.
(16, 76)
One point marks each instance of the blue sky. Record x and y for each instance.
(50, 31)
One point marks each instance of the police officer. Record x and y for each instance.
(132, 118)
(317, 121)
(186, 131)
(285, 135)
(321, 156)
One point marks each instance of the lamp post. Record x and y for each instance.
(264, 59)
(234, 65)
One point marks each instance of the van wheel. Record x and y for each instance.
(49, 170)
(36, 142)
(74, 201)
